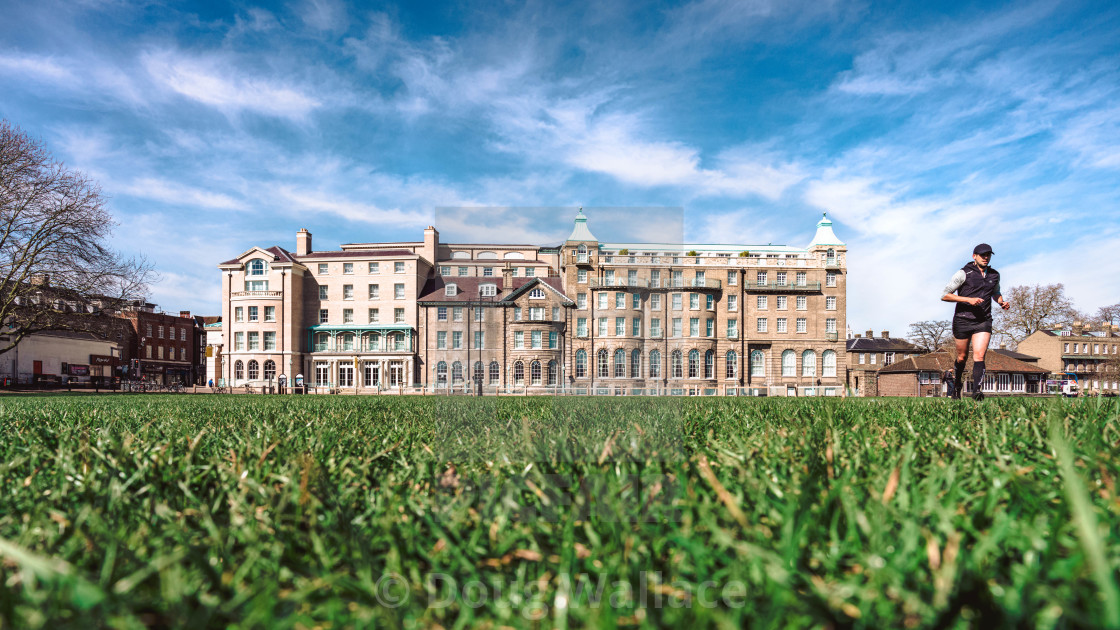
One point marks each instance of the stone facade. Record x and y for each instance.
(591, 316)
(1088, 356)
(867, 354)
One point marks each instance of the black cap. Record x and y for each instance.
(982, 248)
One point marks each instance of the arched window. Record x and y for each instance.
(604, 363)
(348, 341)
(732, 364)
(269, 370)
(758, 363)
(693, 364)
(495, 372)
(479, 373)
(789, 363)
(636, 364)
(620, 363)
(254, 370)
(655, 364)
(582, 248)
(535, 373)
(519, 373)
(238, 371)
(552, 373)
(677, 365)
(831, 253)
(808, 363)
(457, 372)
(829, 362)
(709, 364)
(581, 363)
(441, 374)
(258, 267)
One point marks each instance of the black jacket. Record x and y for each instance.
(984, 286)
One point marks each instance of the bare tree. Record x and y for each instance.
(931, 334)
(1109, 314)
(56, 270)
(1033, 309)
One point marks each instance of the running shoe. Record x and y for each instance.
(978, 395)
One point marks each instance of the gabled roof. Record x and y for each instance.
(1018, 356)
(273, 254)
(433, 291)
(543, 282)
(941, 361)
(882, 344)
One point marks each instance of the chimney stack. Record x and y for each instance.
(507, 278)
(871, 334)
(303, 242)
(185, 314)
(41, 279)
(858, 335)
(1077, 329)
(1003, 345)
(886, 334)
(431, 245)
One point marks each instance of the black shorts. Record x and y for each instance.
(966, 328)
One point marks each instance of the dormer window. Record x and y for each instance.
(488, 290)
(450, 290)
(537, 294)
(257, 267)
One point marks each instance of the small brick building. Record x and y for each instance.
(921, 376)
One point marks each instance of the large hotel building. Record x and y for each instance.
(585, 316)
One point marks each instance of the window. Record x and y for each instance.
(693, 301)
(802, 302)
(710, 301)
(733, 302)
(830, 325)
(677, 302)
(479, 339)
(602, 326)
(322, 291)
(323, 316)
(581, 300)
(254, 340)
(581, 363)
(536, 294)
(808, 363)
(789, 363)
(781, 278)
(782, 302)
(693, 364)
(620, 363)
(258, 267)
(694, 327)
(632, 277)
(620, 300)
(581, 326)
(270, 370)
(374, 316)
(581, 276)
(269, 314)
(829, 362)
(529, 273)
(655, 278)
(441, 340)
(733, 329)
(553, 338)
(655, 364)
(862, 358)
(732, 278)
(159, 330)
(323, 269)
(348, 292)
(457, 314)
(635, 300)
(636, 327)
(619, 326)
(874, 358)
(655, 301)
(398, 316)
(762, 302)
(239, 316)
(602, 301)
(398, 291)
(802, 325)
(398, 267)
(256, 285)
(441, 374)
(535, 373)
(782, 325)
(888, 358)
(604, 363)
(655, 327)
(732, 365)
(800, 278)
(830, 303)
(535, 339)
(760, 278)
(709, 364)
(555, 313)
(758, 363)
(517, 313)
(677, 330)
(238, 370)
(374, 268)
(830, 279)
(457, 340)
(347, 316)
(374, 291)
(269, 340)
(760, 325)
(253, 316)
(676, 364)
(636, 364)
(348, 268)
(322, 374)
(347, 341)
(519, 340)
(148, 349)
(441, 314)
(495, 372)
(444, 271)
(462, 271)
(488, 290)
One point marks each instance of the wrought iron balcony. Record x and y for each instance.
(756, 287)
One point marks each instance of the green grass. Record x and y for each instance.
(302, 512)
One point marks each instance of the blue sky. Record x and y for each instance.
(921, 129)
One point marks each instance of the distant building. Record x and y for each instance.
(211, 349)
(921, 376)
(868, 354)
(1075, 352)
(164, 345)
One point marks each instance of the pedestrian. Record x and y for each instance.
(210, 384)
(974, 286)
(947, 378)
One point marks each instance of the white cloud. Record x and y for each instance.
(35, 67)
(324, 15)
(178, 194)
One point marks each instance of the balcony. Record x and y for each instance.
(624, 283)
(257, 294)
(755, 287)
(831, 336)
